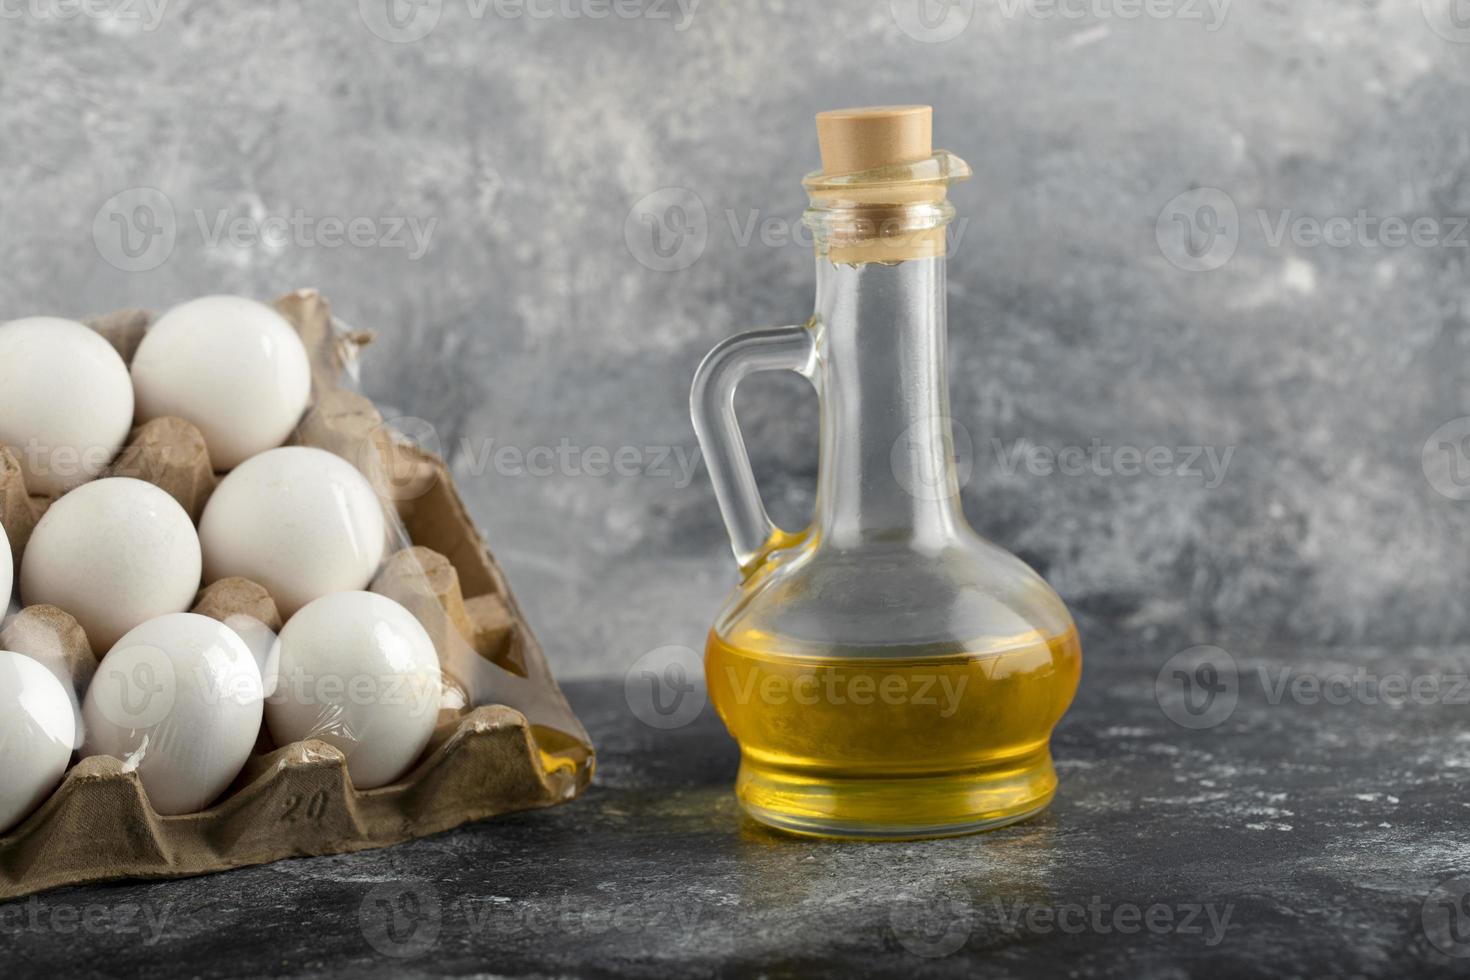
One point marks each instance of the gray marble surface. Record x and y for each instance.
(1289, 839)
(501, 169)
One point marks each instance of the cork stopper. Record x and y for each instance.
(854, 140)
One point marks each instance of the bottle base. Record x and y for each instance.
(887, 807)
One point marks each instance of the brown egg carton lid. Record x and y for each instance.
(514, 744)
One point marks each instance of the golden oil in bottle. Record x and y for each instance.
(885, 742)
(887, 672)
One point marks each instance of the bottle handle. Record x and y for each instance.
(712, 406)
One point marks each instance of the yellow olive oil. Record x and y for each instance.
(893, 742)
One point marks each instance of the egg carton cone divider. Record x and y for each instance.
(513, 743)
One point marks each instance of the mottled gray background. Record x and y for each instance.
(533, 144)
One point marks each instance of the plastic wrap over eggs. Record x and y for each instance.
(37, 733)
(66, 402)
(233, 367)
(300, 521)
(114, 553)
(180, 698)
(358, 671)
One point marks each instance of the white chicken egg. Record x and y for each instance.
(37, 733)
(180, 698)
(359, 672)
(260, 639)
(113, 553)
(7, 571)
(66, 402)
(299, 521)
(233, 367)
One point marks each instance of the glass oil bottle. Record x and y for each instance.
(886, 672)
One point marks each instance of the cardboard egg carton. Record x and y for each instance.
(510, 742)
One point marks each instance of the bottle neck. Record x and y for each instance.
(887, 471)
